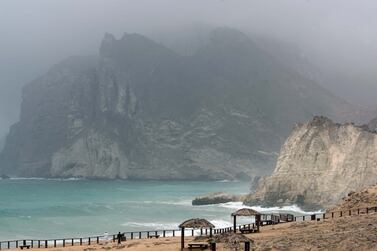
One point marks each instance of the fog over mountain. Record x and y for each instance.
(336, 37)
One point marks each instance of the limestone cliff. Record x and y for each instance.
(319, 163)
(139, 110)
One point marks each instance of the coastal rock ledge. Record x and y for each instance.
(215, 198)
(319, 164)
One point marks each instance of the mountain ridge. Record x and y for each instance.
(141, 111)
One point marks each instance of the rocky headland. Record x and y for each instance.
(139, 110)
(319, 164)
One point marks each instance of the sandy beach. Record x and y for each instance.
(357, 232)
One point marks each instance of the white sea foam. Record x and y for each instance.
(54, 179)
(221, 223)
(292, 208)
(152, 225)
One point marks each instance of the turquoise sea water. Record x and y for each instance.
(39, 209)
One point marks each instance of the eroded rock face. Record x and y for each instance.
(320, 163)
(141, 111)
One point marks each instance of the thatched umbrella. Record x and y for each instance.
(195, 224)
(246, 212)
(233, 240)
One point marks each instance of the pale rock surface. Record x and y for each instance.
(319, 163)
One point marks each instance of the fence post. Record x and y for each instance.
(39, 244)
(367, 210)
(148, 234)
(139, 235)
(341, 213)
(358, 211)
(163, 233)
(97, 239)
(89, 241)
(132, 235)
(324, 216)
(72, 242)
(303, 218)
(80, 241)
(350, 212)
(63, 242)
(192, 232)
(173, 233)
(16, 244)
(46, 244)
(332, 214)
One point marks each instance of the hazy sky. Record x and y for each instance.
(337, 35)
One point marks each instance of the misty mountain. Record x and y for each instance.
(139, 110)
(2, 143)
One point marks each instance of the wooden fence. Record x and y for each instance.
(273, 218)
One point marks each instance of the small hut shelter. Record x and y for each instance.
(194, 224)
(233, 240)
(248, 212)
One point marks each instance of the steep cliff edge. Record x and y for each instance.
(138, 110)
(319, 163)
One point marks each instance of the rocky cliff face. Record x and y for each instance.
(141, 111)
(320, 163)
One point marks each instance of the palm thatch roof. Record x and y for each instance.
(232, 238)
(246, 212)
(197, 223)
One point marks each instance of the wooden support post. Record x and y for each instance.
(303, 218)
(63, 242)
(341, 213)
(182, 238)
(192, 232)
(173, 233)
(247, 246)
(213, 246)
(16, 244)
(32, 243)
(89, 241)
(54, 243)
(46, 244)
(349, 212)
(210, 232)
(139, 235)
(132, 235)
(358, 211)
(80, 241)
(235, 223)
(163, 233)
(206, 231)
(39, 244)
(97, 239)
(201, 231)
(72, 242)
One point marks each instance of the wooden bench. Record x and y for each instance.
(153, 236)
(198, 245)
(25, 246)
